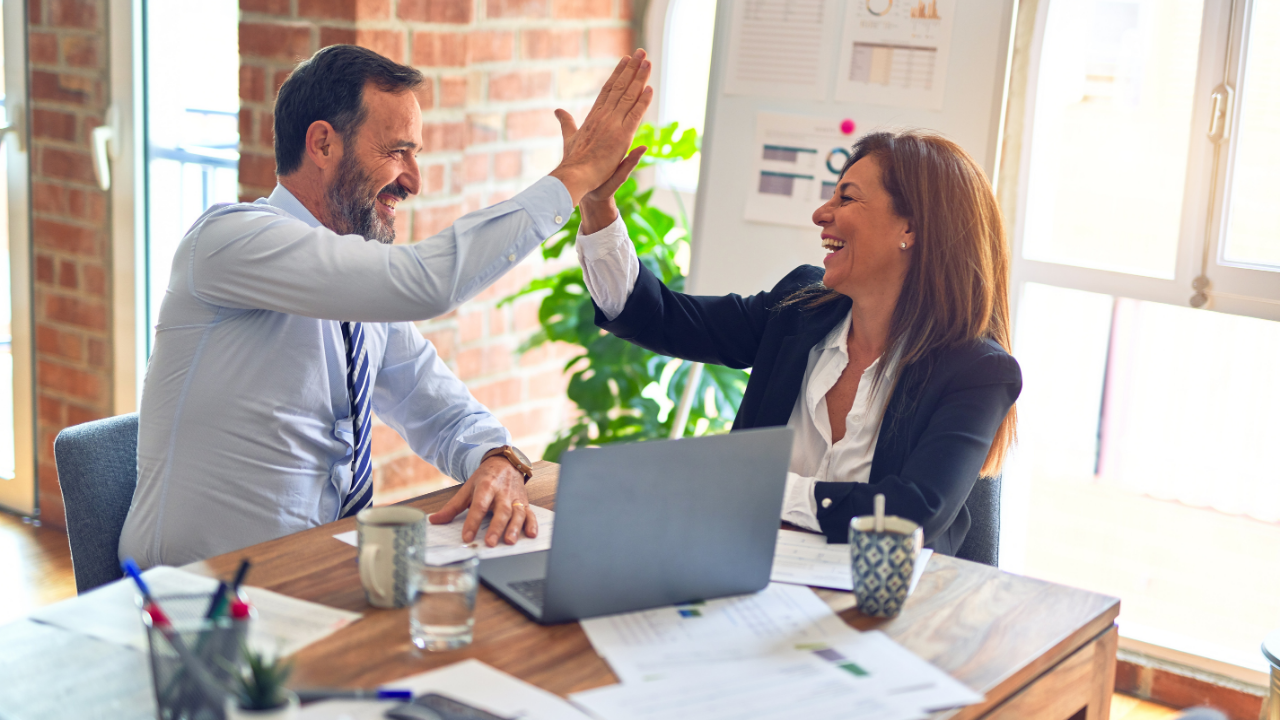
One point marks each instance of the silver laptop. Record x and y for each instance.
(651, 524)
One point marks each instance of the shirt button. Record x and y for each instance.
(559, 219)
(826, 502)
(511, 257)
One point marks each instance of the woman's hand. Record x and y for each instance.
(598, 207)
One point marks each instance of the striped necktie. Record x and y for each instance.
(361, 494)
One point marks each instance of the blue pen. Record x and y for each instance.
(131, 569)
(330, 694)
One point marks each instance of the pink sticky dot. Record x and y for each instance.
(847, 127)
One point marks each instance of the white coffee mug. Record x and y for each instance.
(386, 536)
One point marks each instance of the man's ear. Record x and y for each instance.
(324, 145)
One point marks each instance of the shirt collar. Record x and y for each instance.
(283, 199)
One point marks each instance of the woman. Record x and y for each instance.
(891, 365)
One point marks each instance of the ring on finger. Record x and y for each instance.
(515, 505)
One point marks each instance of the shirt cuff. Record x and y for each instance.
(798, 505)
(603, 242)
(548, 204)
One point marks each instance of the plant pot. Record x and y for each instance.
(288, 711)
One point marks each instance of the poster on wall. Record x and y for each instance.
(797, 164)
(895, 52)
(776, 49)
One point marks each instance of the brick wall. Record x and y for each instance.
(70, 229)
(495, 71)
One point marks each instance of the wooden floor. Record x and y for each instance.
(38, 559)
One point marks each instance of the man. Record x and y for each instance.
(283, 329)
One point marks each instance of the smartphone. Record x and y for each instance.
(444, 708)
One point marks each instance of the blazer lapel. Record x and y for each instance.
(791, 360)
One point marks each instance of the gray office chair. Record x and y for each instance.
(982, 544)
(98, 470)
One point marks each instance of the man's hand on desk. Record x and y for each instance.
(496, 485)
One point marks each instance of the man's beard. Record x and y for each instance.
(353, 210)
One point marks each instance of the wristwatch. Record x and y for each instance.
(518, 460)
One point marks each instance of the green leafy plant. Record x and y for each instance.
(626, 393)
(261, 685)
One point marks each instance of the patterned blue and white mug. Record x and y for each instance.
(388, 540)
(883, 562)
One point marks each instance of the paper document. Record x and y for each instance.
(450, 535)
(652, 644)
(776, 48)
(469, 681)
(896, 53)
(283, 625)
(805, 558)
(796, 167)
(876, 661)
(800, 687)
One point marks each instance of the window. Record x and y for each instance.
(684, 30)
(1144, 467)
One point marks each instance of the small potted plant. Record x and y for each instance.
(259, 692)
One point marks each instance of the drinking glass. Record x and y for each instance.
(442, 615)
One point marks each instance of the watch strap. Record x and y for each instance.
(513, 455)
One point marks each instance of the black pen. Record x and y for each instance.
(240, 573)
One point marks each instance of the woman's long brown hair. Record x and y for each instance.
(957, 286)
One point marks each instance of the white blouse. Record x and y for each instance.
(610, 269)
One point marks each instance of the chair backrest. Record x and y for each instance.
(982, 544)
(98, 471)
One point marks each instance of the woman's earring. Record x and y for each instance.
(903, 245)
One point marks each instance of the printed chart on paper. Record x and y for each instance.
(895, 52)
(797, 165)
(776, 49)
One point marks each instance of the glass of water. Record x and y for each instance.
(443, 613)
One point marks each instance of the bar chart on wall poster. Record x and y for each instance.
(798, 162)
(895, 52)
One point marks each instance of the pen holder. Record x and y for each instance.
(194, 660)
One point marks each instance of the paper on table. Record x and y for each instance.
(874, 659)
(469, 681)
(654, 643)
(807, 559)
(284, 625)
(450, 535)
(800, 686)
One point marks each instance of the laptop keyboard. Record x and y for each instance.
(534, 591)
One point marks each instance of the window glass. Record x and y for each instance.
(686, 70)
(192, 125)
(1253, 220)
(7, 462)
(1111, 132)
(1145, 466)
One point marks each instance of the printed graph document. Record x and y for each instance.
(450, 535)
(469, 681)
(875, 661)
(800, 687)
(283, 624)
(895, 52)
(676, 640)
(797, 166)
(777, 48)
(806, 559)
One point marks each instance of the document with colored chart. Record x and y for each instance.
(796, 166)
(895, 53)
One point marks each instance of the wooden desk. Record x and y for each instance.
(1035, 649)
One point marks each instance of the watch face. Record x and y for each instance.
(523, 458)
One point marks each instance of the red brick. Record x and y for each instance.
(73, 13)
(626, 10)
(275, 41)
(520, 86)
(498, 196)
(436, 11)
(475, 168)
(384, 440)
(506, 164)
(546, 44)
(455, 181)
(524, 124)
(64, 88)
(73, 311)
(345, 9)
(35, 15)
(67, 275)
(1181, 691)
(51, 410)
(444, 342)
(490, 46)
(526, 314)
(337, 36)
(49, 198)
(432, 179)
(404, 473)
(499, 394)
(269, 7)
(483, 128)
(77, 415)
(44, 269)
(581, 9)
(98, 353)
(67, 238)
(277, 81)
(443, 136)
(548, 384)
(498, 324)
(470, 326)
(387, 43)
(267, 130)
(431, 49)
(610, 43)
(516, 8)
(50, 341)
(453, 91)
(69, 381)
(81, 51)
(95, 280)
(257, 170)
(528, 423)
(53, 125)
(253, 83)
(43, 48)
(246, 127)
(67, 165)
(428, 221)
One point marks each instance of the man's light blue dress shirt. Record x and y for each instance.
(245, 425)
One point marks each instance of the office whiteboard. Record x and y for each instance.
(733, 254)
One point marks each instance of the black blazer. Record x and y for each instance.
(937, 427)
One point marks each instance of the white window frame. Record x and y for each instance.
(19, 494)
